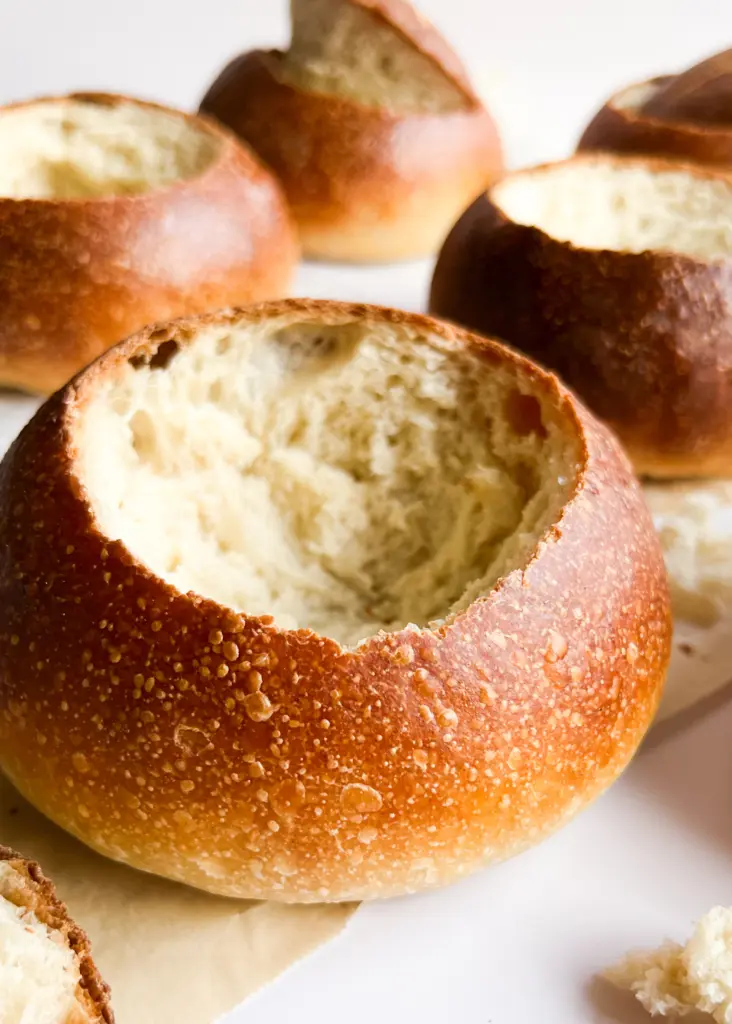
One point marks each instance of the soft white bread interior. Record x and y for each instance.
(694, 522)
(83, 148)
(675, 980)
(344, 48)
(40, 973)
(345, 478)
(604, 204)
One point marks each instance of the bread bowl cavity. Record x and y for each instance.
(345, 478)
(84, 148)
(472, 547)
(605, 204)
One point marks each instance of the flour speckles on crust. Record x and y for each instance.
(367, 747)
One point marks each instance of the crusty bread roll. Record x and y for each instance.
(321, 602)
(371, 124)
(47, 975)
(116, 213)
(616, 273)
(686, 116)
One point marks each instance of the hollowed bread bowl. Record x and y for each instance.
(686, 116)
(315, 602)
(616, 273)
(116, 213)
(371, 124)
(47, 975)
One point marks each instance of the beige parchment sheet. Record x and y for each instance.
(168, 952)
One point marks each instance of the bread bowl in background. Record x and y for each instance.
(370, 123)
(116, 213)
(617, 273)
(46, 970)
(409, 617)
(686, 116)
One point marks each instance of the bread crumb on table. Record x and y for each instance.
(676, 980)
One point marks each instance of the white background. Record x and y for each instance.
(520, 943)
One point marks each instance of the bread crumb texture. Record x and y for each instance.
(342, 48)
(601, 204)
(39, 973)
(80, 148)
(675, 980)
(344, 479)
(695, 527)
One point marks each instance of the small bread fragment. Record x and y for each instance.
(47, 975)
(676, 980)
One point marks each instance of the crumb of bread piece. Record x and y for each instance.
(677, 980)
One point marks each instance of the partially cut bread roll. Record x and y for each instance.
(47, 975)
(370, 122)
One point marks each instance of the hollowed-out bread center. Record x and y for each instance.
(82, 149)
(39, 973)
(605, 204)
(346, 478)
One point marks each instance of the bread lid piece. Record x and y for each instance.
(701, 95)
(640, 118)
(47, 975)
(99, 198)
(337, 602)
(615, 272)
(379, 53)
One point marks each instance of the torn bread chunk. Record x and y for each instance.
(677, 980)
(46, 972)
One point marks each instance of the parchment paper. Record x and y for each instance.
(172, 955)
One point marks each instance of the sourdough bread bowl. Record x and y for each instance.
(617, 273)
(116, 213)
(315, 601)
(686, 116)
(370, 123)
(47, 975)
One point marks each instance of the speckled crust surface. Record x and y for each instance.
(643, 338)
(180, 737)
(77, 276)
(36, 893)
(364, 183)
(627, 130)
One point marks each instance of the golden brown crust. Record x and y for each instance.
(621, 129)
(364, 183)
(76, 276)
(644, 338)
(214, 748)
(37, 893)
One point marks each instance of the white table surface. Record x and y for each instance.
(521, 942)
